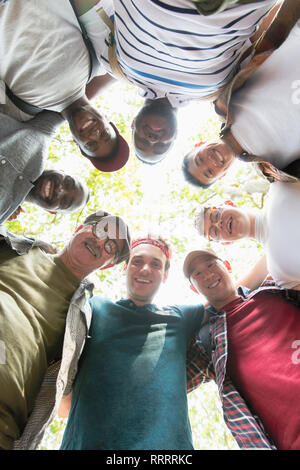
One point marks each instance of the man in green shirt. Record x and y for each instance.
(36, 290)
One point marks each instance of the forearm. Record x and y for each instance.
(98, 84)
(281, 26)
(82, 6)
(65, 406)
(256, 276)
(46, 122)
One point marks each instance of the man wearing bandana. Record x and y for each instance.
(130, 390)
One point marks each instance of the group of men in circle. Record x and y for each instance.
(120, 370)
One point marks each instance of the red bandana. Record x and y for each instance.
(150, 241)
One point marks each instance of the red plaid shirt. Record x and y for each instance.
(203, 366)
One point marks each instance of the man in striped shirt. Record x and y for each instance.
(169, 50)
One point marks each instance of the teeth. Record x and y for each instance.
(87, 124)
(214, 284)
(91, 250)
(48, 189)
(219, 156)
(230, 225)
(144, 281)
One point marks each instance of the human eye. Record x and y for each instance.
(213, 233)
(156, 265)
(91, 146)
(109, 247)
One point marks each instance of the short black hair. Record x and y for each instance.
(190, 178)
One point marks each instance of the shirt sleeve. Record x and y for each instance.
(45, 122)
(96, 29)
(193, 316)
(198, 365)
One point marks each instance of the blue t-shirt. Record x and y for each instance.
(130, 390)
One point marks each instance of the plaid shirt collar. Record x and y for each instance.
(204, 365)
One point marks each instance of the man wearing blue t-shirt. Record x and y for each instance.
(130, 390)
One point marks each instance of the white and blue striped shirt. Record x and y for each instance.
(168, 49)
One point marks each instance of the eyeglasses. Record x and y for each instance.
(110, 245)
(214, 217)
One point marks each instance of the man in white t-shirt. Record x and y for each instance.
(44, 62)
(266, 116)
(277, 228)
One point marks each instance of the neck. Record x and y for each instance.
(232, 143)
(83, 101)
(140, 302)
(78, 271)
(252, 225)
(219, 304)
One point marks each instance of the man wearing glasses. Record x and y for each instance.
(45, 317)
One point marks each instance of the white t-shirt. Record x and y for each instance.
(43, 58)
(169, 50)
(267, 109)
(282, 237)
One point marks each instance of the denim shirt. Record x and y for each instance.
(60, 375)
(23, 149)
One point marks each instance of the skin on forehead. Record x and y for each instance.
(148, 250)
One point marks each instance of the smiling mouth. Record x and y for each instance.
(229, 225)
(214, 284)
(48, 189)
(92, 248)
(217, 158)
(87, 126)
(142, 281)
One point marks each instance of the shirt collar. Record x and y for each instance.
(128, 303)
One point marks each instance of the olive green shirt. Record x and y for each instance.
(32, 324)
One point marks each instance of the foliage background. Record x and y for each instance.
(156, 199)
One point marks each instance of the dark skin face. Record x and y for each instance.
(55, 191)
(154, 130)
(91, 130)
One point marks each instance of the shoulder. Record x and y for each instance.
(189, 313)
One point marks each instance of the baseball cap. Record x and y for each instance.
(194, 254)
(117, 159)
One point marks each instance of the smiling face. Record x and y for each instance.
(210, 161)
(210, 277)
(145, 273)
(86, 252)
(92, 132)
(154, 131)
(55, 191)
(227, 223)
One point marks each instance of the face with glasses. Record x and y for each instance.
(226, 223)
(94, 246)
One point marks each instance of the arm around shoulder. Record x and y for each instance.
(82, 6)
(65, 406)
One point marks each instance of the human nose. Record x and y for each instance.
(145, 269)
(152, 136)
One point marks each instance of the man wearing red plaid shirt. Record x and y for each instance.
(249, 347)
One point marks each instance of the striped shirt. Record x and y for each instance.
(169, 50)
